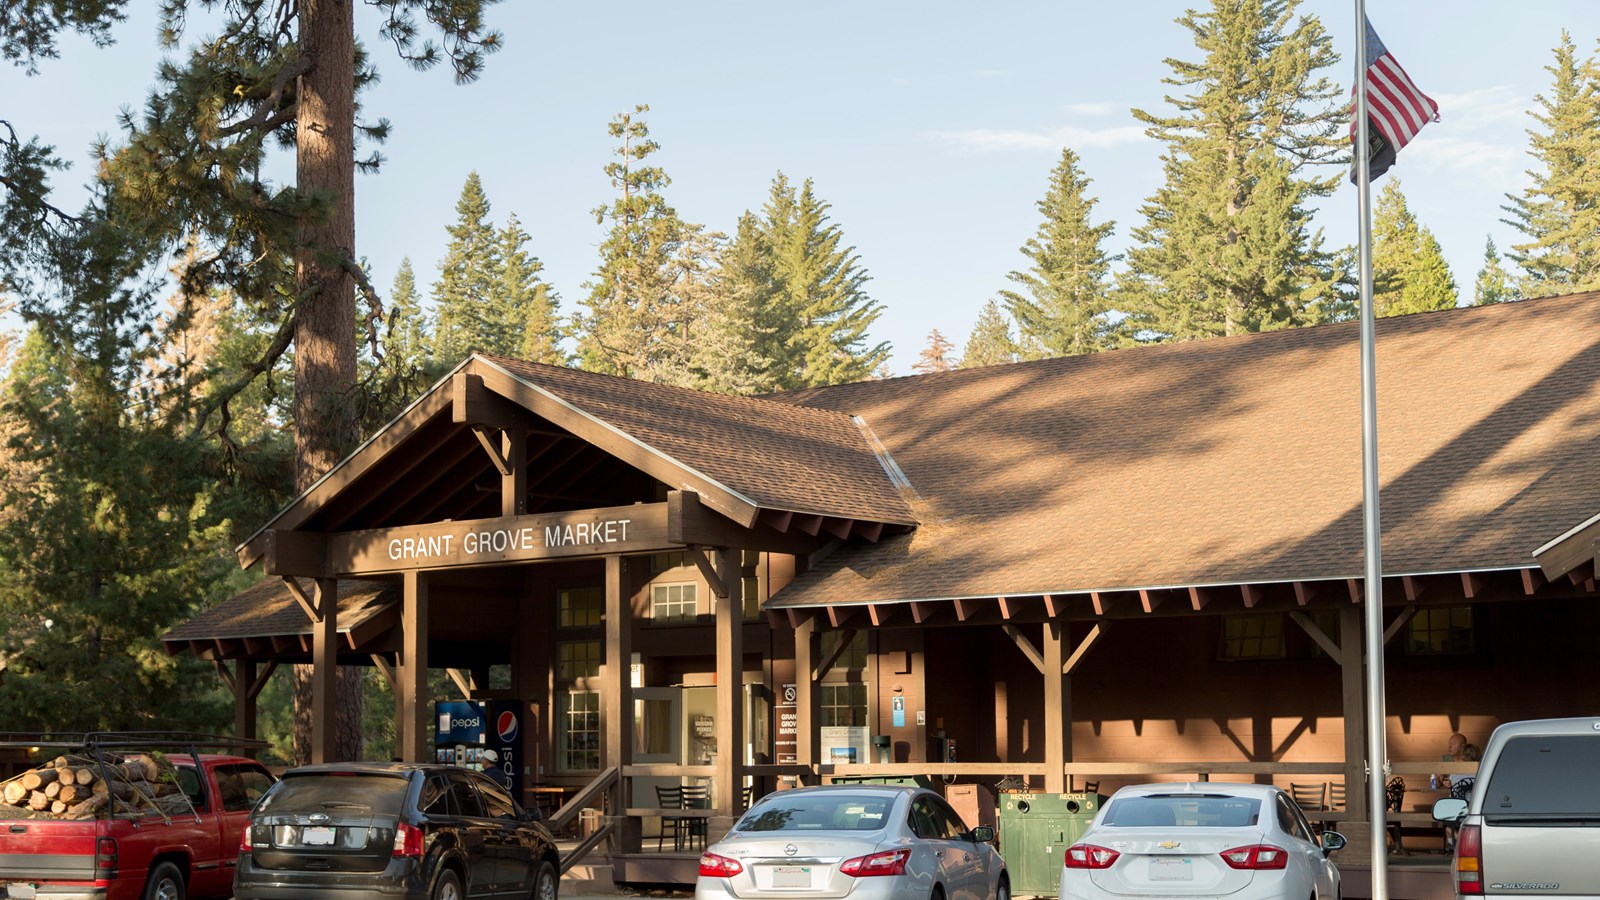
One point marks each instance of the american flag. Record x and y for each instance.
(1396, 109)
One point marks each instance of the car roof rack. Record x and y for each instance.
(129, 740)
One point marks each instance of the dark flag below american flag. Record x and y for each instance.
(1396, 110)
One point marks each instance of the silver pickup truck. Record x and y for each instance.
(1531, 826)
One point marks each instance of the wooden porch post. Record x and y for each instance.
(730, 682)
(806, 699)
(413, 688)
(617, 718)
(244, 701)
(1057, 710)
(1351, 669)
(325, 672)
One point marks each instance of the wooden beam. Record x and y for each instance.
(839, 528)
(1057, 708)
(1303, 593)
(514, 484)
(869, 531)
(244, 701)
(1101, 602)
(799, 616)
(471, 403)
(306, 602)
(1026, 646)
(807, 697)
(465, 683)
(1199, 598)
(1329, 645)
(261, 678)
(225, 675)
(708, 571)
(1084, 646)
(1355, 588)
(1054, 606)
(809, 524)
(325, 674)
(617, 715)
(1252, 595)
(1398, 623)
(295, 553)
(1008, 607)
(729, 780)
(488, 438)
(690, 521)
(1353, 700)
(881, 613)
(965, 608)
(1532, 580)
(413, 693)
(839, 617)
(1412, 587)
(1150, 602)
(388, 671)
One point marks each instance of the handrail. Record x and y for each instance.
(563, 817)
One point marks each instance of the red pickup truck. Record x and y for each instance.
(153, 856)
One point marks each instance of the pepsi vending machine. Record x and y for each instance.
(466, 728)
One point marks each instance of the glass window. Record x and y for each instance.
(239, 787)
(435, 799)
(854, 655)
(189, 782)
(495, 799)
(949, 820)
(1546, 775)
(466, 800)
(925, 819)
(1441, 630)
(843, 704)
(307, 792)
(673, 601)
(580, 607)
(1189, 810)
(579, 740)
(577, 660)
(1252, 637)
(666, 562)
(829, 811)
(1287, 820)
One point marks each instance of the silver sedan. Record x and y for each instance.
(859, 841)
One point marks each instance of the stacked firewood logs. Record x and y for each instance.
(81, 787)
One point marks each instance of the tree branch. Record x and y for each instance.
(264, 118)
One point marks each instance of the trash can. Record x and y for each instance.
(908, 780)
(1035, 832)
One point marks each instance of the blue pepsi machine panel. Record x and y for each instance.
(463, 729)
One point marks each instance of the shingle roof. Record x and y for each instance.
(779, 455)
(1234, 460)
(267, 609)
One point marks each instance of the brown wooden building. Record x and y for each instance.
(1136, 564)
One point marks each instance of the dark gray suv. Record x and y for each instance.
(393, 830)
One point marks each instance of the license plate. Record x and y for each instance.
(1172, 868)
(791, 876)
(316, 837)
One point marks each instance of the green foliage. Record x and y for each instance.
(467, 277)
(1227, 245)
(527, 306)
(1494, 282)
(1066, 310)
(28, 29)
(990, 343)
(1559, 212)
(1409, 273)
(735, 344)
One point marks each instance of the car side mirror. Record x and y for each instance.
(983, 834)
(532, 814)
(1331, 841)
(1450, 809)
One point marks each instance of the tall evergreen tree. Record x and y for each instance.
(935, 357)
(408, 338)
(467, 279)
(734, 348)
(1559, 212)
(1409, 273)
(990, 343)
(819, 292)
(632, 326)
(1494, 282)
(525, 305)
(1227, 244)
(1067, 304)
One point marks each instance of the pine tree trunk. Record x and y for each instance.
(325, 352)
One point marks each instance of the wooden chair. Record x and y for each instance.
(677, 827)
(1091, 787)
(746, 797)
(1336, 795)
(695, 797)
(1310, 797)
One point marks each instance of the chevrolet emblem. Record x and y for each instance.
(1170, 845)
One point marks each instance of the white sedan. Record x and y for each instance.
(1206, 839)
(862, 841)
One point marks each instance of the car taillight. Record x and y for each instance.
(245, 844)
(890, 862)
(1469, 860)
(105, 854)
(1090, 856)
(1256, 856)
(714, 866)
(407, 841)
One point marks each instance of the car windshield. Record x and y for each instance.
(818, 812)
(336, 791)
(1545, 775)
(1183, 810)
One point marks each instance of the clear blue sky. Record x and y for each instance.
(931, 127)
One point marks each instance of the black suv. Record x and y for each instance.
(393, 830)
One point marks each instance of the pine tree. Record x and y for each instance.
(990, 343)
(1560, 212)
(1067, 304)
(820, 293)
(1409, 273)
(629, 329)
(734, 346)
(1494, 282)
(1227, 245)
(935, 357)
(526, 305)
(408, 341)
(467, 280)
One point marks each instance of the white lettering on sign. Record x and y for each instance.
(609, 531)
(418, 547)
(498, 541)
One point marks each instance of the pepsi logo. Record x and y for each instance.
(506, 725)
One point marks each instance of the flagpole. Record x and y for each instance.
(1377, 753)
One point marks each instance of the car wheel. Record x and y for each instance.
(546, 883)
(1002, 891)
(447, 886)
(938, 893)
(165, 883)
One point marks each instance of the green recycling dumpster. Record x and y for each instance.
(1035, 832)
(922, 781)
